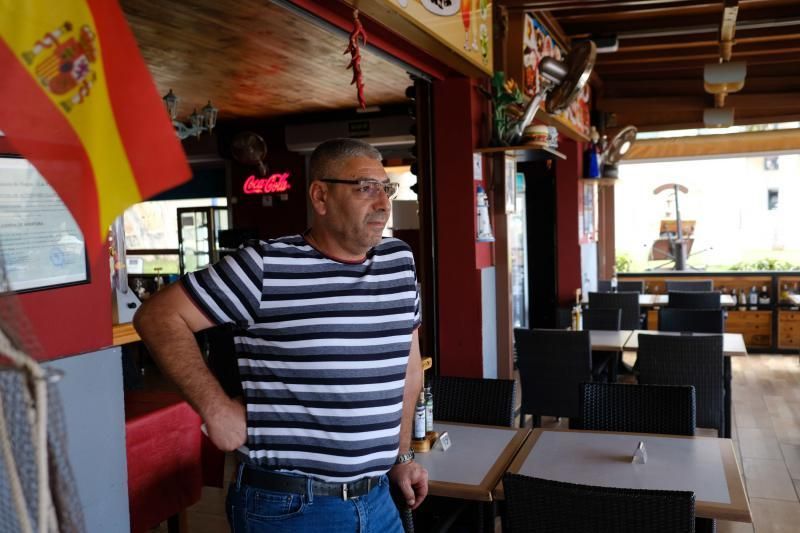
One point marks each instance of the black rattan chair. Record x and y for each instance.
(602, 319)
(699, 285)
(545, 506)
(691, 320)
(694, 300)
(631, 286)
(627, 301)
(687, 360)
(667, 409)
(552, 366)
(473, 400)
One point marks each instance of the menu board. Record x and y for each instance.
(464, 26)
(538, 43)
(40, 243)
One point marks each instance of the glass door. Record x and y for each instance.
(518, 246)
(193, 238)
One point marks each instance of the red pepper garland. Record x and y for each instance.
(355, 63)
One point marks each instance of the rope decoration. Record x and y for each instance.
(354, 49)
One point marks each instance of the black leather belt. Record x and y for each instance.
(278, 482)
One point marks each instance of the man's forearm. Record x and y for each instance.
(410, 393)
(172, 345)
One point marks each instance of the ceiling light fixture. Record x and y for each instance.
(198, 122)
(720, 79)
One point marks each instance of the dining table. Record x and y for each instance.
(704, 465)
(662, 300)
(473, 465)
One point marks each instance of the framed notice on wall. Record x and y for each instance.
(587, 214)
(40, 243)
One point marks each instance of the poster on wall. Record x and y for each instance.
(40, 242)
(538, 43)
(587, 214)
(465, 26)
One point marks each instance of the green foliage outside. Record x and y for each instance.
(768, 263)
(623, 262)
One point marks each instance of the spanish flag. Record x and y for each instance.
(78, 102)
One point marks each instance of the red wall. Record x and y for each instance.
(568, 192)
(457, 122)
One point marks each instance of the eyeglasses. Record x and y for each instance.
(369, 188)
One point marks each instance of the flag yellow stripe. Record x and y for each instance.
(27, 23)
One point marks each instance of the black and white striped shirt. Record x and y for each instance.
(322, 351)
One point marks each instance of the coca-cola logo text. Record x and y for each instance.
(275, 183)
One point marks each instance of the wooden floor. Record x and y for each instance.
(766, 431)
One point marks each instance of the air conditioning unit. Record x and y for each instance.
(387, 133)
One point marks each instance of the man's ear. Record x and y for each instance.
(318, 194)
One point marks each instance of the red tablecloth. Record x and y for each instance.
(164, 450)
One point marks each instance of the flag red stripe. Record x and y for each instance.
(155, 154)
(41, 133)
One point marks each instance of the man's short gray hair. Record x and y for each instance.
(333, 152)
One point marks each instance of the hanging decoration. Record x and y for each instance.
(354, 49)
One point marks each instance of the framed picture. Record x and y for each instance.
(41, 245)
(510, 183)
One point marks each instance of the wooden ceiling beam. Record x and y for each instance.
(692, 87)
(740, 102)
(691, 41)
(695, 63)
(743, 50)
(650, 123)
(755, 12)
(599, 5)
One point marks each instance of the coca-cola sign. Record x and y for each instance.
(278, 182)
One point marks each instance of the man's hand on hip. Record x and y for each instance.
(411, 480)
(227, 425)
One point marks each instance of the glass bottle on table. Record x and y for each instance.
(419, 418)
(577, 314)
(763, 296)
(753, 300)
(614, 281)
(742, 300)
(428, 410)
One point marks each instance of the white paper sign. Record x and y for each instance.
(477, 167)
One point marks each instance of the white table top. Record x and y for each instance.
(475, 462)
(609, 341)
(732, 343)
(703, 465)
(660, 300)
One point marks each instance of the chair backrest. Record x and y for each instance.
(552, 366)
(694, 299)
(604, 285)
(627, 301)
(692, 320)
(603, 319)
(687, 360)
(473, 400)
(545, 506)
(667, 409)
(631, 286)
(698, 285)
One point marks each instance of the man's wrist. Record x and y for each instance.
(406, 457)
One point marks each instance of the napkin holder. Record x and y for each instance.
(640, 455)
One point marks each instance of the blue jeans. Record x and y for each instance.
(254, 510)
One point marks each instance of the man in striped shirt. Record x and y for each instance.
(328, 357)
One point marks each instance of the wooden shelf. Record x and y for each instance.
(541, 147)
(124, 333)
(603, 182)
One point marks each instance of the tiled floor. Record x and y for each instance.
(766, 431)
